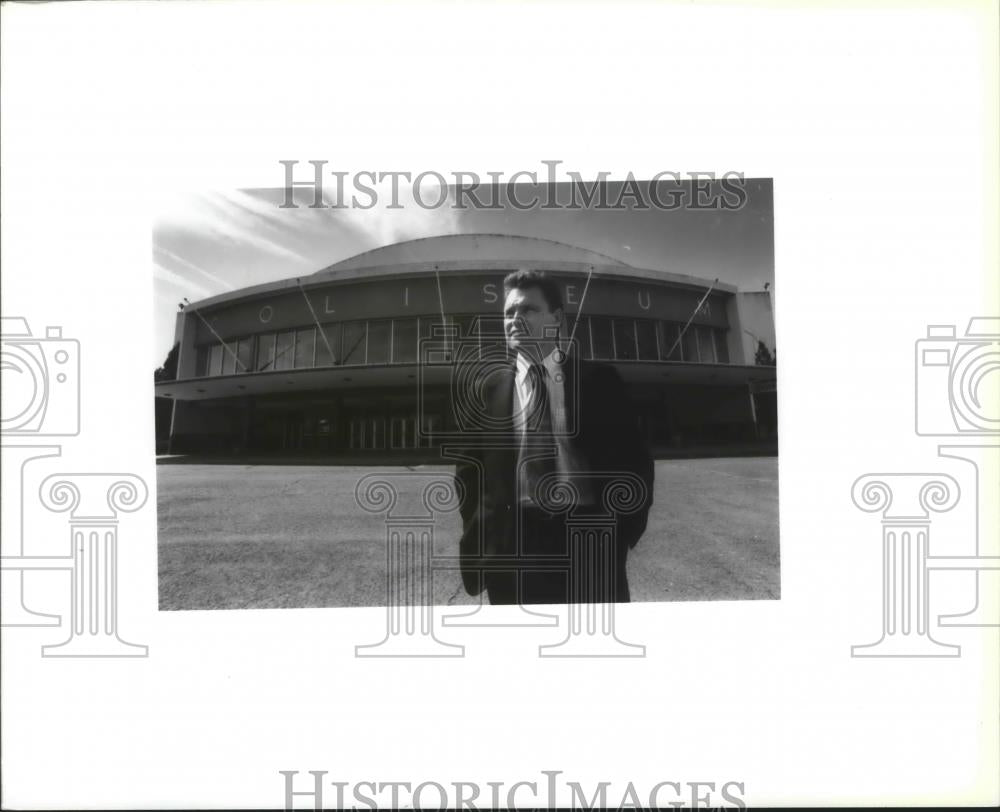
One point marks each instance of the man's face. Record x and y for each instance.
(525, 315)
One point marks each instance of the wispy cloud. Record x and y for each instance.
(381, 225)
(166, 257)
(184, 284)
(210, 242)
(231, 217)
(303, 236)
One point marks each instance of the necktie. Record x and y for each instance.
(537, 417)
(538, 446)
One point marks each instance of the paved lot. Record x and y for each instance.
(267, 536)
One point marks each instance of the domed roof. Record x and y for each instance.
(465, 252)
(473, 247)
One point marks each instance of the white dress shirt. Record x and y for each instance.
(522, 388)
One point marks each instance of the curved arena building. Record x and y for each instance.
(330, 364)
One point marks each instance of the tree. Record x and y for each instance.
(168, 372)
(764, 358)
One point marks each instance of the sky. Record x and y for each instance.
(210, 242)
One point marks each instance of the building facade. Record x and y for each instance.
(331, 364)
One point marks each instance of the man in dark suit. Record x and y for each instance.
(553, 432)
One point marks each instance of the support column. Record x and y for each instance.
(593, 566)
(905, 501)
(985, 609)
(15, 462)
(522, 615)
(94, 501)
(409, 544)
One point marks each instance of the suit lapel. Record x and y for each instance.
(570, 395)
(501, 400)
(502, 460)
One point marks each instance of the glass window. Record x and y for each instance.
(625, 339)
(721, 348)
(328, 345)
(265, 352)
(284, 355)
(433, 327)
(354, 342)
(600, 332)
(201, 364)
(404, 341)
(379, 336)
(215, 360)
(244, 354)
(689, 344)
(408, 435)
(670, 348)
(229, 358)
(582, 335)
(377, 432)
(706, 347)
(358, 432)
(436, 338)
(645, 332)
(490, 328)
(305, 347)
(432, 425)
(468, 338)
(492, 343)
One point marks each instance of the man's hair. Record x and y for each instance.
(525, 279)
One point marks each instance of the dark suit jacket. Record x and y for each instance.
(608, 439)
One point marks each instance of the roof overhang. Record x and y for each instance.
(467, 268)
(338, 380)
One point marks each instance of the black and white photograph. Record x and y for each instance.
(497, 405)
(321, 349)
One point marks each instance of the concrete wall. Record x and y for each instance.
(756, 323)
(185, 334)
(420, 296)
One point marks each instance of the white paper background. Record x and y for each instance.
(879, 127)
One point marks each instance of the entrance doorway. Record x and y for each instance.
(394, 431)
